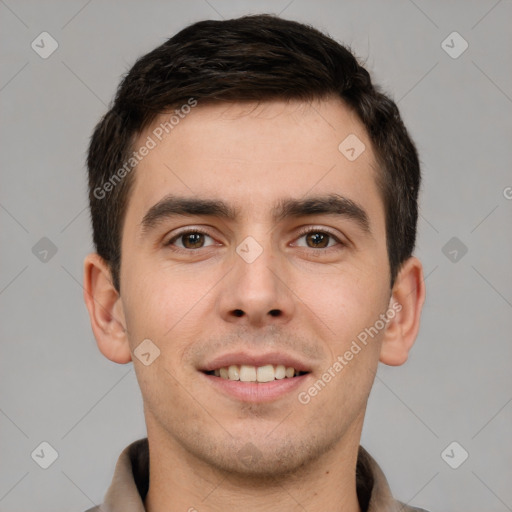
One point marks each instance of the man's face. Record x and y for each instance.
(256, 288)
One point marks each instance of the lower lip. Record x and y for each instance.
(257, 391)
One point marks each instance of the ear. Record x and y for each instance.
(105, 310)
(407, 298)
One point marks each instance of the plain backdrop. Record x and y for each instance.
(57, 388)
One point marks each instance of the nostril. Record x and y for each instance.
(275, 312)
(238, 312)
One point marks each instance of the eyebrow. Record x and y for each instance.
(332, 204)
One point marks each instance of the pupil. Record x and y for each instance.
(194, 238)
(318, 238)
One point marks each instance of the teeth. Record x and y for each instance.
(246, 373)
(233, 373)
(265, 373)
(280, 372)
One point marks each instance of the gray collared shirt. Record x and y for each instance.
(131, 481)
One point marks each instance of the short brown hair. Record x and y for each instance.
(252, 58)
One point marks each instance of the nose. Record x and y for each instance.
(256, 291)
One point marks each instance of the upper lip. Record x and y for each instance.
(252, 359)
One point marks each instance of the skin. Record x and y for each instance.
(252, 156)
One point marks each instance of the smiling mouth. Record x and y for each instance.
(248, 373)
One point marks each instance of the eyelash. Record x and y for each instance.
(301, 233)
(323, 231)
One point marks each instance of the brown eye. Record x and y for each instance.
(318, 239)
(192, 240)
(189, 240)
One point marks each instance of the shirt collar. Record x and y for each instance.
(131, 481)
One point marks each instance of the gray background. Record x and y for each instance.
(55, 384)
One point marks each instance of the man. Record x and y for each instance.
(254, 207)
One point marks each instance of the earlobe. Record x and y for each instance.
(408, 296)
(105, 310)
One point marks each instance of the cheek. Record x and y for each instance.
(147, 313)
(351, 308)
(343, 304)
(165, 307)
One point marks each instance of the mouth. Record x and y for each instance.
(256, 378)
(250, 373)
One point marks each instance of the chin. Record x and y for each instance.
(262, 460)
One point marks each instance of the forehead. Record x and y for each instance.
(248, 154)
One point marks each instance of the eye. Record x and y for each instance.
(191, 239)
(319, 239)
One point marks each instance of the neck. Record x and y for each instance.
(181, 482)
